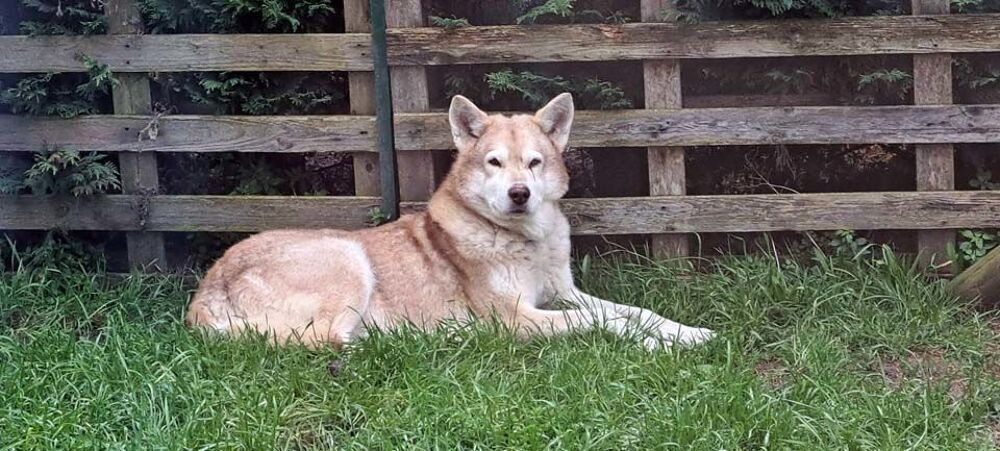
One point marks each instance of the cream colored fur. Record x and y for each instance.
(492, 243)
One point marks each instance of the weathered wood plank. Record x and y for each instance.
(410, 94)
(748, 126)
(649, 41)
(935, 162)
(762, 213)
(631, 215)
(361, 90)
(981, 281)
(146, 250)
(427, 131)
(184, 213)
(479, 45)
(780, 212)
(192, 133)
(138, 170)
(665, 165)
(188, 52)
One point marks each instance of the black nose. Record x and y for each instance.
(519, 194)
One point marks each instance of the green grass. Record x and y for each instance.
(830, 355)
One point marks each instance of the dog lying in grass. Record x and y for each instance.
(492, 243)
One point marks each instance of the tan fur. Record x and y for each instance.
(472, 253)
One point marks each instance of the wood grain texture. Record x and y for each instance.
(749, 126)
(662, 84)
(932, 79)
(874, 35)
(428, 131)
(361, 87)
(146, 250)
(932, 85)
(607, 216)
(181, 133)
(665, 165)
(930, 7)
(966, 33)
(763, 213)
(361, 90)
(653, 10)
(410, 94)
(778, 212)
(935, 167)
(184, 213)
(416, 169)
(188, 52)
(981, 281)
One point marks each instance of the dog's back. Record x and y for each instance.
(319, 286)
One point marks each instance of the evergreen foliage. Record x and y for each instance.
(63, 17)
(63, 95)
(536, 89)
(63, 172)
(238, 16)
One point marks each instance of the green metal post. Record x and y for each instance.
(389, 176)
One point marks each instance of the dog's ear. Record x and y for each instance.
(556, 118)
(468, 122)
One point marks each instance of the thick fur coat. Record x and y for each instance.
(492, 243)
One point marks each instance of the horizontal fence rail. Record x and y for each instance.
(878, 35)
(603, 216)
(184, 213)
(188, 52)
(428, 131)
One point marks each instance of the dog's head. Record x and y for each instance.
(507, 167)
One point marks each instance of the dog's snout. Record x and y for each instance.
(519, 194)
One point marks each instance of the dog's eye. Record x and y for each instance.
(534, 162)
(494, 162)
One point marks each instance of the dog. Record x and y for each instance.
(491, 244)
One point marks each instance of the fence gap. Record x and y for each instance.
(138, 169)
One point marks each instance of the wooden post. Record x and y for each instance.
(935, 162)
(981, 281)
(410, 95)
(138, 170)
(361, 92)
(662, 79)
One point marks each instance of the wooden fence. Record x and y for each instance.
(663, 129)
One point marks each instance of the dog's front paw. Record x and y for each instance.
(656, 343)
(689, 336)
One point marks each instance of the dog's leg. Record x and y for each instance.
(525, 318)
(528, 320)
(660, 331)
(660, 328)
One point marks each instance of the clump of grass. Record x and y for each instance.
(801, 363)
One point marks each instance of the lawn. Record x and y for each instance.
(821, 355)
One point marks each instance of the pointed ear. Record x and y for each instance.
(556, 118)
(468, 122)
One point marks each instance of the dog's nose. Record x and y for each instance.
(519, 194)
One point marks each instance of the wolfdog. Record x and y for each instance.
(491, 244)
